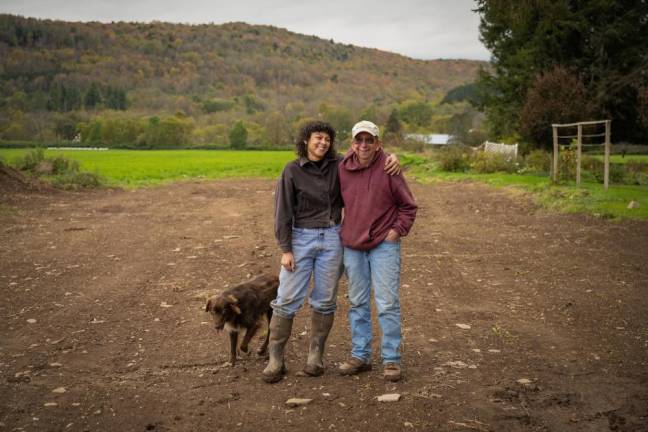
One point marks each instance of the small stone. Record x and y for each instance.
(494, 351)
(56, 364)
(408, 424)
(633, 204)
(59, 390)
(229, 237)
(31, 321)
(165, 305)
(463, 326)
(50, 404)
(458, 364)
(432, 340)
(524, 381)
(295, 402)
(477, 350)
(389, 397)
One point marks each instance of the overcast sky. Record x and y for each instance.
(424, 29)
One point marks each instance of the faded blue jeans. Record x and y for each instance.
(379, 267)
(318, 253)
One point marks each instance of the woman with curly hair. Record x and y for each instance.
(308, 213)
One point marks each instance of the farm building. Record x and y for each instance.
(432, 139)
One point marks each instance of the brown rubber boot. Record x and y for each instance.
(320, 327)
(280, 329)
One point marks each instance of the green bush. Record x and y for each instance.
(77, 180)
(538, 161)
(454, 158)
(635, 166)
(486, 162)
(30, 161)
(567, 164)
(60, 171)
(61, 165)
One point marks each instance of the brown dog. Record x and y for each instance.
(242, 308)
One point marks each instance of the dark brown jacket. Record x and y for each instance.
(307, 196)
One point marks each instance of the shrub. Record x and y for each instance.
(486, 162)
(77, 180)
(567, 164)
(635, 167)
(61, 165)
(596, 168)
(454, 158)
(31, 160)
(61, 172)
(538, 161)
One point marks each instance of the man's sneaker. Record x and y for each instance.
(392, 372)
(354, 366)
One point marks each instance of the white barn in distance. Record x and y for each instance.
(432, 139)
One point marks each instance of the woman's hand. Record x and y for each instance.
(288, 261)
(392, 165)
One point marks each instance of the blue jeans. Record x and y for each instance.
(379, 267)
(318, 253)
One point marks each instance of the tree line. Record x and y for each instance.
(559, 61)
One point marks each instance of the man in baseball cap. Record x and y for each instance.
(379, 211)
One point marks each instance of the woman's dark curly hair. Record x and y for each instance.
(305, 134)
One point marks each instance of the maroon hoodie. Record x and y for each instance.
(374, 202)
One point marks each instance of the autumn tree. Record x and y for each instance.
(238, 136)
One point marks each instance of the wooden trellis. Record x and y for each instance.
(579, 147)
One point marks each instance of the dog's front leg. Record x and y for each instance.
(233, 341)
(249, 334)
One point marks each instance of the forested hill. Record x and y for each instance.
(232, 70)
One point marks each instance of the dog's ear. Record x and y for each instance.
(232, 301)
(208, 306)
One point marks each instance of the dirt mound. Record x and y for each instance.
(13, 181)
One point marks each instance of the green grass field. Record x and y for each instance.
(132, 168)
(135, 168)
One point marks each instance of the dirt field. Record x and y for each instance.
(103, 326)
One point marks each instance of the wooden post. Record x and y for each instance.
(579, 146)
(554, 173)
(606, 175)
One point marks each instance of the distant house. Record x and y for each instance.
(432, 139)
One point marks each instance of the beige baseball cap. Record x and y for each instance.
(365, 126)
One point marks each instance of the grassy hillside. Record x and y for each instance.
(51, 71)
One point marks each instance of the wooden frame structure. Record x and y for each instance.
(579, 146)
